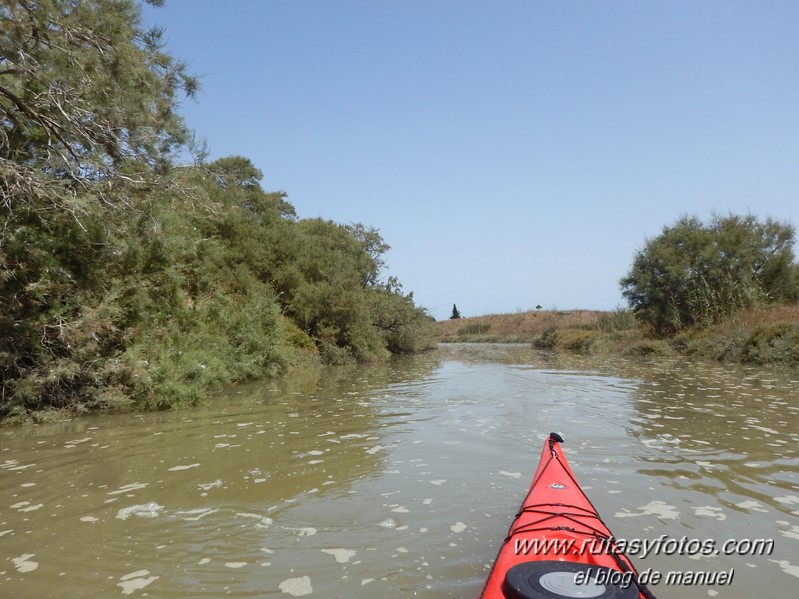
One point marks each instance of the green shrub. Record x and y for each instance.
(618, 320)
(576, 340)
(772, 344)
(646, 347)
(699, 274)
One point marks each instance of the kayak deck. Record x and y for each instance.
(558, 546)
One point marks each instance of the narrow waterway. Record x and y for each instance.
(400, 480)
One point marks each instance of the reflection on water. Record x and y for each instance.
(400, 480)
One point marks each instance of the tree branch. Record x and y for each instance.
(50, 126)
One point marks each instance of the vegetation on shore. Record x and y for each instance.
(128, 281)
(725, 290)
(763, 336)
(520, 327)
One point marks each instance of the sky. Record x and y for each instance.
(513, 154)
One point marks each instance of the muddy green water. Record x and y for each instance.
(400, 480)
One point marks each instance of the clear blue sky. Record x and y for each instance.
(512, 153)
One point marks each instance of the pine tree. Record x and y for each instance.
(455, 313)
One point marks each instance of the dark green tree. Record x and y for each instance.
(88, 124)
(403, 326)
(455, 313)
(696, 273)
(87, 96)
(374, 245)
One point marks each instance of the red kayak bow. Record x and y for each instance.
(558, 547)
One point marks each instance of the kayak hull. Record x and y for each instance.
(557, 546)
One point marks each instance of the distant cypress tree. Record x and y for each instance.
(455, 313)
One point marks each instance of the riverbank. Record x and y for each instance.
(765, 336)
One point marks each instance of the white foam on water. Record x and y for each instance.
(458, 527)
(15, 465)
(24, 563)
(183, 467)
(307, 531)
(209, 486)
(656, 508)
(713, 512)
(27, 506)
(143, 510)
(235, 565)
(296, 587)
(765, 429)
(264, 521)
(342, 555)
(71, 444)
(128, 488)
(516, 475)
(792, 533)
(196, 515)
(752, 505)
(135, 581)
(89, 519)
(787, 566)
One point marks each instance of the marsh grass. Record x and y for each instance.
(758, 336)
(520, 327)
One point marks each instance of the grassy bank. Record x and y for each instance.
(766, 336)
(521, 327)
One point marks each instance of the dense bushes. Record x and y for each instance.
(772, 344)
(126, 281)
(697, 274)
(201, 285)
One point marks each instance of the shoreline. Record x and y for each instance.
(762, 337)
